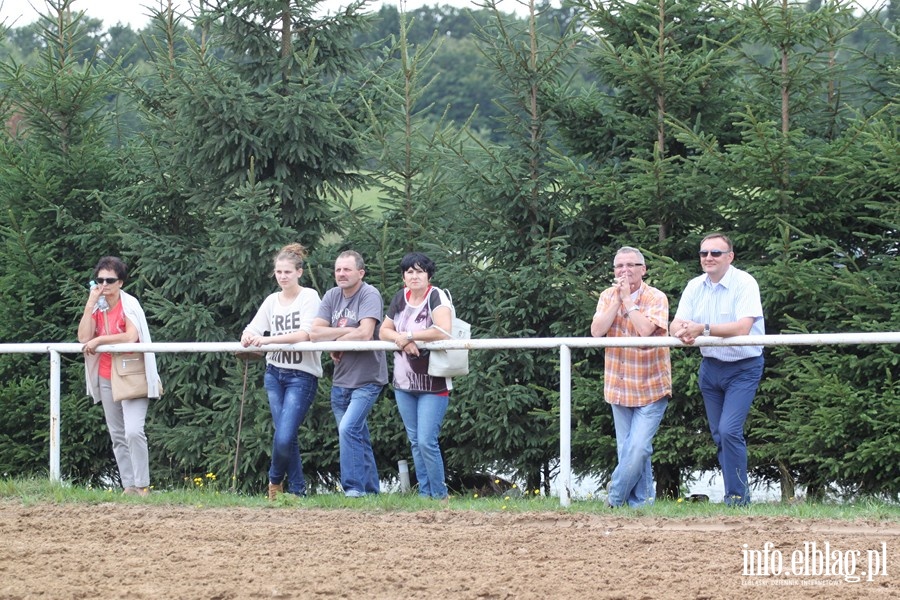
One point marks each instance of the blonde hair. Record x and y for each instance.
(296, 253)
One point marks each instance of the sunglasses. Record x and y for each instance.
(715, 253)
(109, 280)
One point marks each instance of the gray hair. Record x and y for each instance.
(630, 250)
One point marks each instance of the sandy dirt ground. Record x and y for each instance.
(143, 551)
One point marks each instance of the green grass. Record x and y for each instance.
(42, 491)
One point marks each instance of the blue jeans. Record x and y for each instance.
(351, 407)
(291, 393)
(632, 480)
(728, 390)
(422, 415)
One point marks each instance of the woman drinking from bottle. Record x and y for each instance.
(112, 316)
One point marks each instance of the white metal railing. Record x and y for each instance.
(565, 345)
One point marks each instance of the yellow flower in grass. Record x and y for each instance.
(475, 496)
(211, 476)
(537, 492)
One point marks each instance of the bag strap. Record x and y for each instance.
(438, 290)
(444, 331)
(434, 290)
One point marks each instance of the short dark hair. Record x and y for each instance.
(417, 259)
(112, 263)
(721, 236)
(356, 256)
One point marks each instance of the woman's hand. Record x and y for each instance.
(406, 345)
(251, 339)
(411, 348)
(90, 347)
(93, 296)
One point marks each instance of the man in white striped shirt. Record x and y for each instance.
(724, 302)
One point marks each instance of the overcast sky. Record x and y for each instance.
(16, 13)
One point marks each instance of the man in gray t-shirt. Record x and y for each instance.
(352, 311)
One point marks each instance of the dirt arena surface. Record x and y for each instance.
(137, 551)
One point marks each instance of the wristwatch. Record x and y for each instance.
(706, 329)
(409, 336)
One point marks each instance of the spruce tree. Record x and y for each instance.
(56, 159)
(809, 227)
(245, 133)
(660, 65)
(520, 248)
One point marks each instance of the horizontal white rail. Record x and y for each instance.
(804, 339)
(564, 344)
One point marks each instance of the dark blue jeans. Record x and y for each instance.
(351, 407)
(728, 390)
(291, 393)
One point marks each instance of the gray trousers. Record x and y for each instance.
(125, 421)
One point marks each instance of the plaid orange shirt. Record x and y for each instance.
(637, 376)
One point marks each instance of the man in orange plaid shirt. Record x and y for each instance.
(637, 381)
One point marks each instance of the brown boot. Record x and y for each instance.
(275, 489)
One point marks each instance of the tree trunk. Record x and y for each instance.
(787, 483)
(668, 481)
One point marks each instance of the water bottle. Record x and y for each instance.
(102, 304)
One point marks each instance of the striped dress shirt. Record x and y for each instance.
(734, 297)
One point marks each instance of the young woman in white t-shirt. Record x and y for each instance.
(292, 377)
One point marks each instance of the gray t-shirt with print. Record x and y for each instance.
(356, 369)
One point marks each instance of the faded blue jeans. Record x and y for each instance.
(632, 480)
(351, 408)
(422, 415)
(291, 393)
(728, 390)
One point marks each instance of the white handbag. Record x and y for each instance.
(451, 363)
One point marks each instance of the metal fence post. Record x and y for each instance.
(54, 414)
(565, 425)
